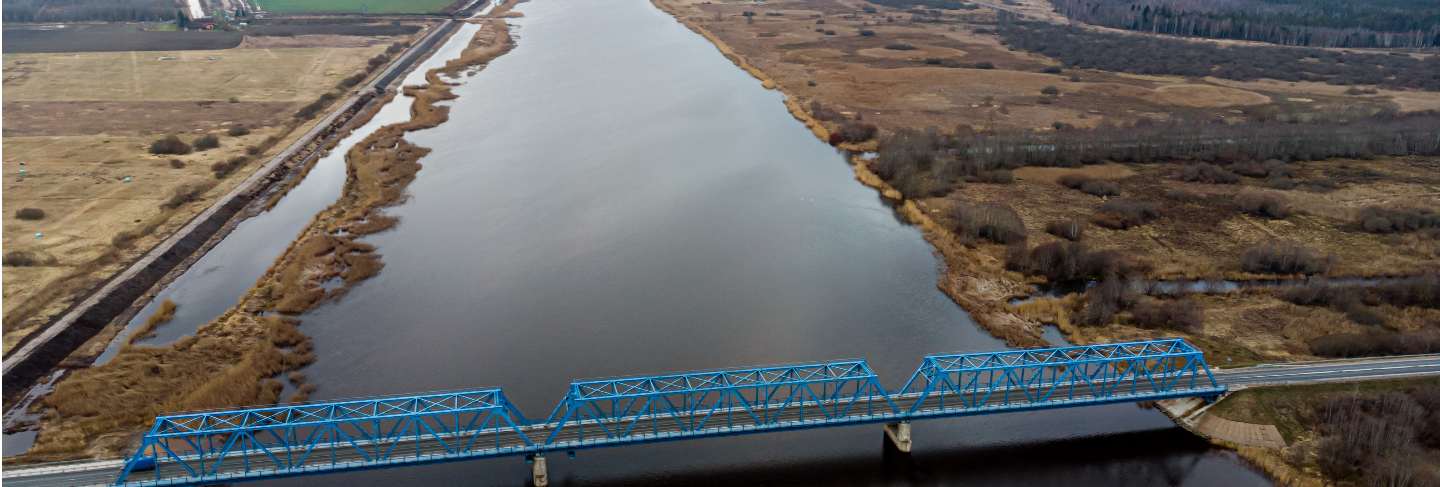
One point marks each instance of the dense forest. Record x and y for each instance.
(82, 10)
(1108, 51)
(1316, 23)
(923, 163)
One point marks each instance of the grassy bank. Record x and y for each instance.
(239, 358)
(1366, 433)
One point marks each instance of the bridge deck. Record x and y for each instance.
(230, 446)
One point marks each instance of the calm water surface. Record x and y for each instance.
(614, 197)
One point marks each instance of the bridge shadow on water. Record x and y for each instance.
(1168, 456)
(1156, 457)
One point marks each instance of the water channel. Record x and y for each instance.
(615, 197)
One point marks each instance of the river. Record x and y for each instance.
(615, 197)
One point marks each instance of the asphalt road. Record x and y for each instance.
(1349, 370)
(103, 472)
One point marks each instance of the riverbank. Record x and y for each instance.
(974, 274)
(840, 68)
(974, 280)
(239, 358)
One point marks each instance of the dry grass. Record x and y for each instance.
(290, 75)
(83, 121)
(161, 316)
(238, 358)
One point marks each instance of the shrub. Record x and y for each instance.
(184, 194)
(30, 214)
(1124, 214)
(994, 222)
(1283, 258)
(1072, 229)
(169, 145)
(1104, 300)
(1208, 173)
(983, 65)
(124, 239)
(377, 61)
(853, 132)
(352, 80)
(1423, 291)
(900, 46)
(206, 142)
(1281, 182)
(1263, 204)
(252, 150)
(224, 168)
(20, 258)
(1051, 70)
(998, 176)
(238, 130)
(1372, 344)
(1089, 185)
(177, 164)
(1067, 261)
(1377, 219)
(1177, 314)
(1050, 90)
(314, 107)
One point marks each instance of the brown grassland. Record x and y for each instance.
(884, 68)
(242, 357)
(83, 122)
(814, 51)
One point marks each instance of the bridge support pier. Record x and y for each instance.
(539, 475)
(899, 435)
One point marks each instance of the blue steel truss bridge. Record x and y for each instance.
(322, 437)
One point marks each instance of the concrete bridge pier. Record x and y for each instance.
(899, 435)
(539, 475)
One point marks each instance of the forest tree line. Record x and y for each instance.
(929, 162)
(1315, 23)
(89, 10)
(1083, 48)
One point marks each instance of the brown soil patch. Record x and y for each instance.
(1204, 96)
(917, 54)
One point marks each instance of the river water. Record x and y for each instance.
(615, 197)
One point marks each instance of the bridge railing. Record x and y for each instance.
(645, 408)
(1095, 373)
(208, 446)
(254, 443)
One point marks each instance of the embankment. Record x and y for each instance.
(38, 354)
(239, 357)
(975, 281)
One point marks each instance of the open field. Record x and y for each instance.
(238, 357)
(355, 6)
(83, 123)
(151, 36)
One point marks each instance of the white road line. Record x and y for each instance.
(1340, 371)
